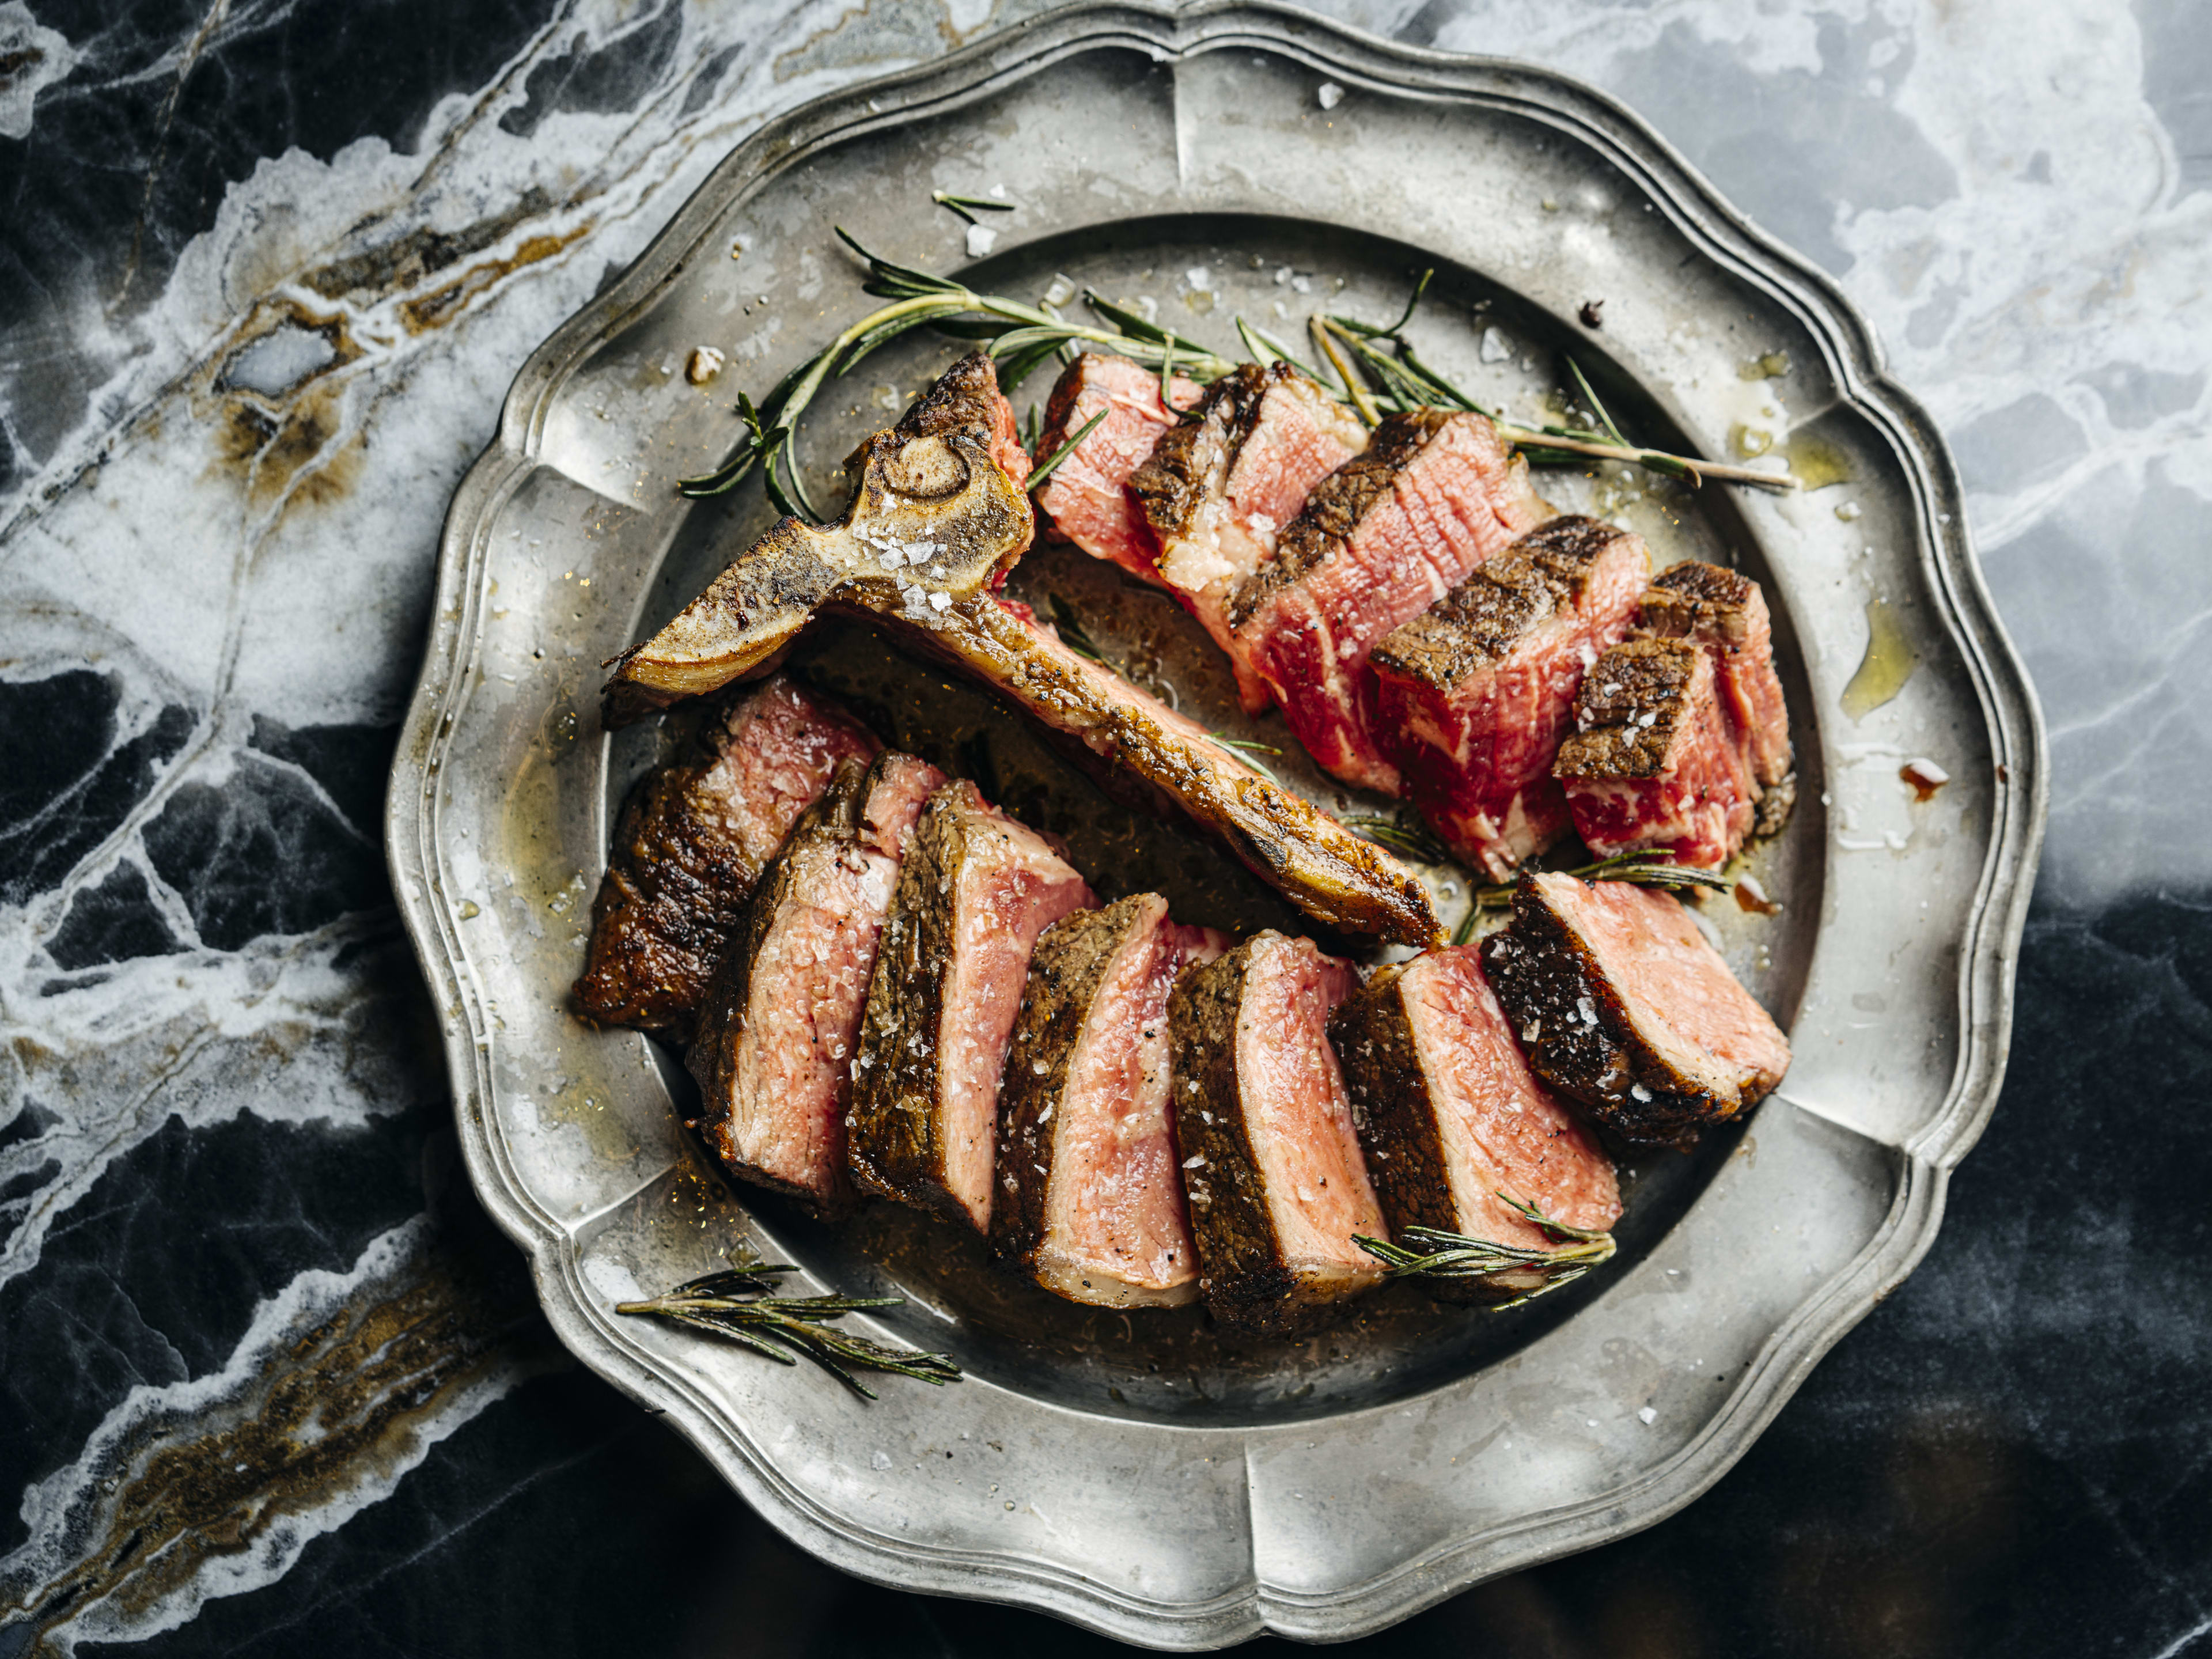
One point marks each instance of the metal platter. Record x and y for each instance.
(1144, 1476)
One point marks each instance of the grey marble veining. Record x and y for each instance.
(245, 354)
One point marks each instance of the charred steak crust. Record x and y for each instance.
(678, 875)
(1335, 506)
(1685, 596)
(1171, 485)
(896, 1149)
(832, 821)
(1066, 972)
(1243, 1275)
(1628, 712)
(1580, 1039)
(1391, 1107)
(1477, 625)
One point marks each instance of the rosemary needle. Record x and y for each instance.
(967, 206)
(1044, 468)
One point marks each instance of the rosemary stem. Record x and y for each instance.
(1525, 438)
(1353, 383)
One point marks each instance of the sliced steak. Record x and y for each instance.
(1218, 490)
(1725, 614)
(975, 891)
(1090, 1197)
(1622, 1004)
(1271, 1161)
(1451, 1117)
(692, 840)
(1088, 495)
(1379, 541)
(1474, 695)
(782, 1020)
(1651, 767)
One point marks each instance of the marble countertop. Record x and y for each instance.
(268, 1379)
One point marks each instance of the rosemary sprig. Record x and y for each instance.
(967, 206)
(1441, 1255)
(1407, 382)
(737, 1304)
(1045, 468)
(1641, 869)
(1414, 839)
(1021, 337)
(1073, 634)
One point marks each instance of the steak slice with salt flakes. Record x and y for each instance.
(1218, 488)
(1622, 1004)
(693, 839)
(1271, 1161)
(1379, 541)
(1474, 696)
(1652, 767)
(975, 891)
(1724, 613)
(1089, 1199)
(1088, 495)
(1451, 1117)
(780, 1024)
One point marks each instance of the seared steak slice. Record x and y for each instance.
(1725, 613)
(1652, 767)
(1088, 495)
(692, 840)
(1271, 1161)
(1380, 540)
(781, 1023)
(1621, 1005)
(973, 893)
(1474, 695)
(1451, 1117)
(1090, 1197)
(1218, 490)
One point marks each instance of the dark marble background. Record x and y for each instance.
(270, 1384)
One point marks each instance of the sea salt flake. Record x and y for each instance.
(1331, 95)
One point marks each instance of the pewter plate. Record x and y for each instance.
(1138, 1475)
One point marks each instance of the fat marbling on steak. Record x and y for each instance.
(1651, 766)
(1089, 1199)
(781, 1021)
(1378, 541)
(1621, 1004)
(975, 891)
(1474, 695)
(1218, 489)
(691, 843)
(1088, 496)
(1271, 1161)
(1451, 1117)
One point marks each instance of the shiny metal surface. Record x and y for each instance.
(1154, 1481)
